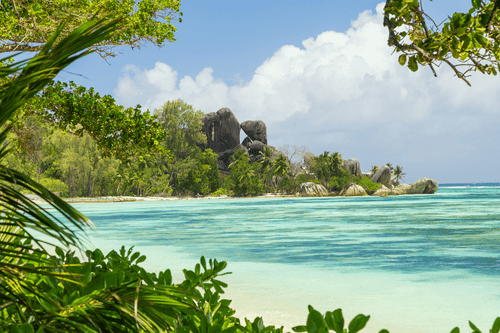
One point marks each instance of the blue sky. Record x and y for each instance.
(320, 75)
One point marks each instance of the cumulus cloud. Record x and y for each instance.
(345, 91)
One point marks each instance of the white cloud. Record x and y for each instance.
(343, 92)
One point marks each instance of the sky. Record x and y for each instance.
(320, 75)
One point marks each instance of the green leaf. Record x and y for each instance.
(474, 328)
(335, 320)
(315, 322)
(455, 330)
(412, 64)
(140, 259)
(384, 331)
(496, 324)
(301, 328)
(402, 59)
(358, 323)
(476, 4)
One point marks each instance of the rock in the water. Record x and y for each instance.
(353, 190)
(246, 142)
(312, 189)
(256, 147)
(400, 189)
(383, 191)
(222, 130)
(353, 166)
(424, 186)
(383, 176)
(256, 130)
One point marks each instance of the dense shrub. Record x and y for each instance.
(369, 186)
(342, 181)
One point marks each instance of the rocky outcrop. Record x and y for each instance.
(224, 158)
(246, 142)
(256, 130)
(383, 176)
(353, 166)
(222, 130)
(312, 189)
(383, 191)
(423, 186)
(353, 190)
(400, 189)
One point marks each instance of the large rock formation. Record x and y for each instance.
(423, 186)
(256, 130)
(222, 130)
(383, 176)
(353, 166)
(383, 191)
(400, 189)
(312, 189)
(353, 190)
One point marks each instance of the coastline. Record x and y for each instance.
(109, 199)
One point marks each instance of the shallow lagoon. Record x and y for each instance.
(420, 263)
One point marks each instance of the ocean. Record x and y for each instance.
(414, 263)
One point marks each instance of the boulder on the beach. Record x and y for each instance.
(383, 191)
(256, 130)
(383, 176)
(424, 186)
(353, 166)
(353, 190)
(312, 189)
(400, 189)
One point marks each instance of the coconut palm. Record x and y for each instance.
(374, 169)
(398, 173)
(39, 291)
(280, 168)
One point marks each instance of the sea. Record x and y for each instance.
(414, 263)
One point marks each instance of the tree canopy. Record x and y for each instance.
(466, 42)
(27, 25)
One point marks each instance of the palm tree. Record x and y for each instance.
(280, 167)
(398, 173)
(48, 292)
(374, 169)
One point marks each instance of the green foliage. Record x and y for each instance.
(466, 41)
(374, 169)
(369, 186)
(243, 178)
(342, 181)
(326, 166)
(183, 125)
(118, 131)
(24, 25)
(220, 192)
(54, 185)
(398, 173)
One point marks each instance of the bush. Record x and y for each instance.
(338, 183)
(369, 186)
(55, 185)
(219, 192)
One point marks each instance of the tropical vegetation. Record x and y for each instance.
(60, 291)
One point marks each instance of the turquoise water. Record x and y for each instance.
(419, 263)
